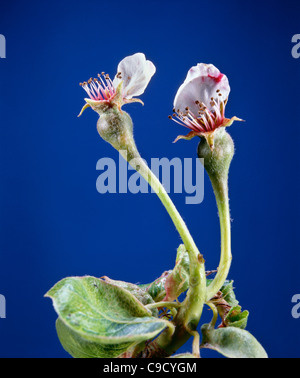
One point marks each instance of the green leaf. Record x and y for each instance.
(171, 283)
(228, 307)
(232, 342)
(177, 281)
(79, 347)
(98, 312)
(182, 258)
(228, 294)
(141, 294)
(156, 289)
(236, 318)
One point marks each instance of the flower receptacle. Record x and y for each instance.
(218, 159)
(116, 128)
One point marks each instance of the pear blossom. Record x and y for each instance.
(133, 75)
(200, 102)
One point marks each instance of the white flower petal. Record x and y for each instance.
(201, 84)
(202, 69)
(135, 72)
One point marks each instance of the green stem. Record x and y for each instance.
(221, 193)
(163, 304)
(216, 162)
(196, 344)
(196, 298)
(190, 311)
(116, 127)
(215, 314)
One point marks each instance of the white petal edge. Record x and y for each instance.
(135, 72)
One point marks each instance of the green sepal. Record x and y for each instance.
(232, 342)
(85, 106)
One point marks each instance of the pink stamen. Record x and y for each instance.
(206, 121)
(99, 89)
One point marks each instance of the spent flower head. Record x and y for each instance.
(200, 102)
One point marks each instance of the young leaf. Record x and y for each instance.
(228, 307)
(177, 281)
(101, 313)
(228, 294)
(232, 342)
(236, 318)
(171, 283)
(157, 289)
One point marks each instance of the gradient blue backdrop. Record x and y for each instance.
(53, 221)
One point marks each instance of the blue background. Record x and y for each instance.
(53, 221)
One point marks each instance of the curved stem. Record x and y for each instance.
(190, 311)
(221, 192)
(196, 344)
(215, 314)
(197, 270)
